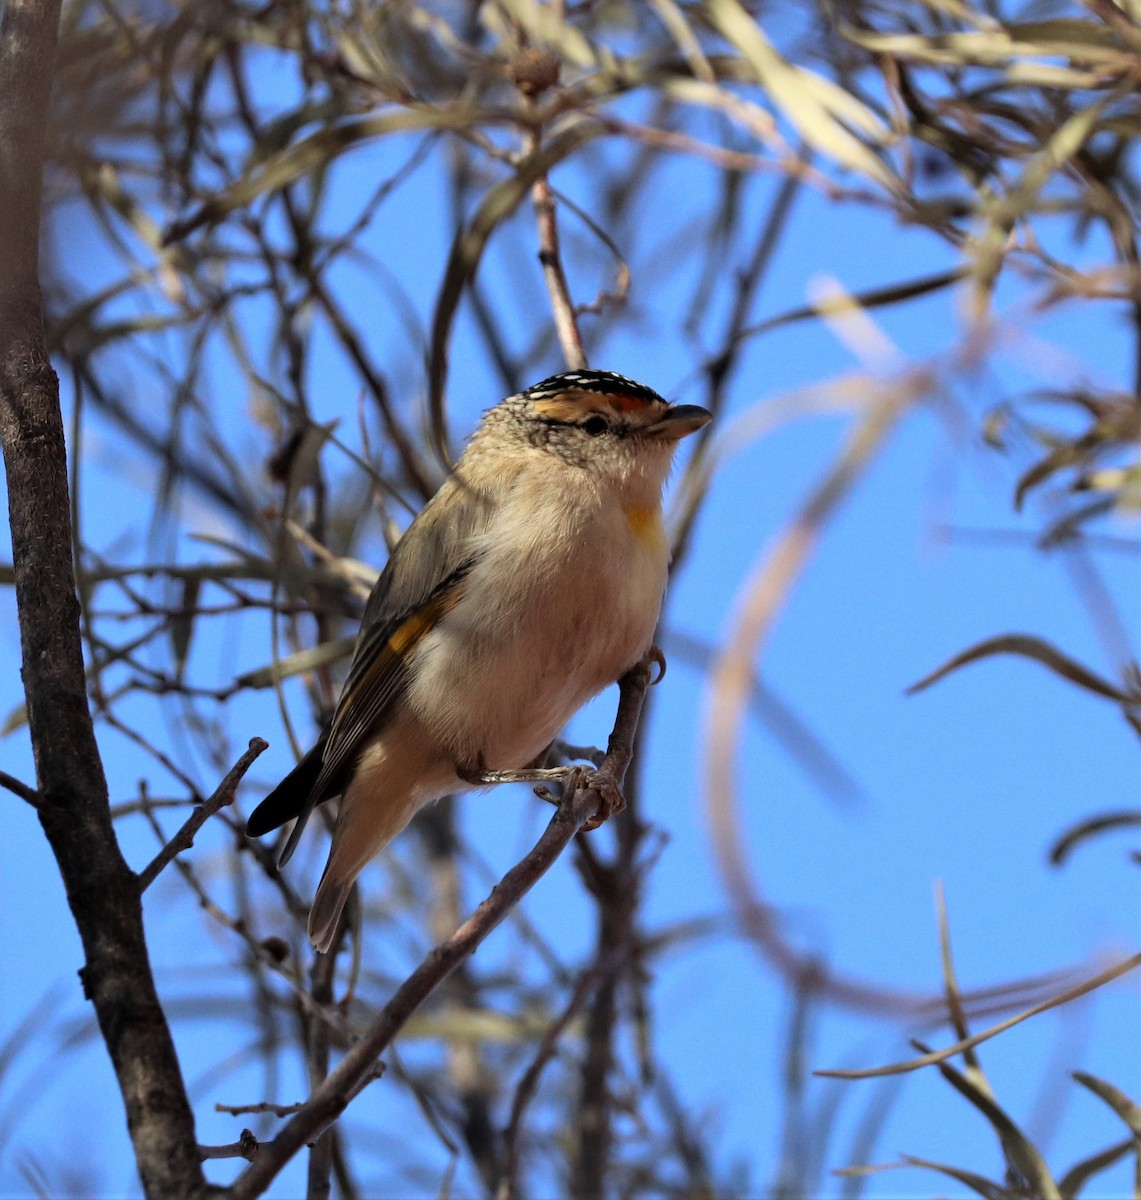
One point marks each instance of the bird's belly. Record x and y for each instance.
(531, 641)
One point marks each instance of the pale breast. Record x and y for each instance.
(565, 599)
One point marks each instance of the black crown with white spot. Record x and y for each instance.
(606, 383)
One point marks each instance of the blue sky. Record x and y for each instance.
(967, 783)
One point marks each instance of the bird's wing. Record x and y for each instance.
(421, 582)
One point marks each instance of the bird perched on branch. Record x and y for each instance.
(530, 581)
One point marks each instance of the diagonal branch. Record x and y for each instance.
(202, 813)
(579, 804)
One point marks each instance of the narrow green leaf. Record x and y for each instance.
(1065, 142)
(297, 664)
(809, 102)
(1002, 212)
(977, 1183)
(275, 137)
(1071, 1184)
(16, 719)
(1076, 41)
(546, 27)
(1128, 1110)
(317, 151)
(182, 624)
(1020, 1152)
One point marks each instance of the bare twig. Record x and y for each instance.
(965, 1045)
(1064, 846)
(19, 788)
(263, 1106)
(535, 70)
(562, 306)
(319, 1175)
(616, 886)
(202, 813)
(529, 1081)
(245, 1147)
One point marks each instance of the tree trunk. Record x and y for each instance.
(72, 800)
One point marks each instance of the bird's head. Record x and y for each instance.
(598, 419)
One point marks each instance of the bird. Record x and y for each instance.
(528, 583)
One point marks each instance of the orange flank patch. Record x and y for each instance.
(646, 525)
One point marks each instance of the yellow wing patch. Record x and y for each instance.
(406, 636)
(389, 657)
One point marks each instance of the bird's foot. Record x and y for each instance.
(534, 771)
(610, 798)
(479, 776)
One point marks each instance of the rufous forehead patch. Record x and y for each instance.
(633, 401)
(570, 405)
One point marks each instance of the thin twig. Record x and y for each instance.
(529, 1082)
(967, 1044)
(319, 1177)
(536, 69)
(616, 887)
(19, 788)
(202, 813)
(562, 307)
(245, 1147)
(263, 1106)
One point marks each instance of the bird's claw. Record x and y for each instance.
(610, 798)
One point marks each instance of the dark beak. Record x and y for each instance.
(678, 421)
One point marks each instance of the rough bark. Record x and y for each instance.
(73, 807)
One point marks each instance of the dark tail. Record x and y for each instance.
(295, 797)
(291, 796)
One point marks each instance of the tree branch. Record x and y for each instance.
(579, 803)
(534, 70)
(73, 806)
(18, 788)
(202, 813)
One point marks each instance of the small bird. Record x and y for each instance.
(529, 582)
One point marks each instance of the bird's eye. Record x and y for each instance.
(595, 426)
